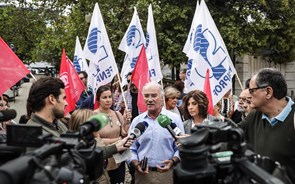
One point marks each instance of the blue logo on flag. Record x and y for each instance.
(201, 45)
(94, 44)
(76, 63)
(92, 40)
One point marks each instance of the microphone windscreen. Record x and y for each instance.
(141, 127)
(101, 119)
(164, 120)
(7, 114)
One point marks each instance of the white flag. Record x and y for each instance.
(189, 85)
(131, 44)
(79, 61)
(209, 52)
(152, 49)
(102, 65)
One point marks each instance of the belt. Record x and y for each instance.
(153, 169)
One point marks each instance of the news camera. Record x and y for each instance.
(71, 158)
(217, 153)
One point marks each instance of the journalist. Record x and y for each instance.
(270, 127)
(46, 104)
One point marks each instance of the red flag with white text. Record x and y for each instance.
(12, 68)
(207, 91)
(73, 85)
(140, 77)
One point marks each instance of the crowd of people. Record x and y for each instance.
(263, 110)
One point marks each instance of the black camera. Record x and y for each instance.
(216, 152)
(71, 158)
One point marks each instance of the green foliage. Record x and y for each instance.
(40, 29)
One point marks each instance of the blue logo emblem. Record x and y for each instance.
(94, 44)
(76, 63)
(134, 41)
(201, 45)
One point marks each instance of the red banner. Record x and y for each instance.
(73, 85)
(12, 68)
(140, 77)
(207, 91)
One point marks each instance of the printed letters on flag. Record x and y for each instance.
(12, 68)
(140, 77)
(79, 62)
(131, 45)
(102, 65)
(209, 51)
(73, 85)
(152, 49)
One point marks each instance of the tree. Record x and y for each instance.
(257, 27)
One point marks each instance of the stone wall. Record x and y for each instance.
(247, 65)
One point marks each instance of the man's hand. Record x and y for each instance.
(137, 166)
(168, 164)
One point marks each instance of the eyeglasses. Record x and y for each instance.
(82, 78)
(252, 90)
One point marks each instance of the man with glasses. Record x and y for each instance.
(87, 92)
(270, 127)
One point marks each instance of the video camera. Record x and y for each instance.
(203, 162)
(71, 158)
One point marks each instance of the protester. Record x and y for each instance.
(130, 95)
(247, 104)
(182, 77)
(156, 143)
(87, 92)
(195, 110)
(46, 104)
(114, 131)
(179, 85)
(80, 116)
(4, 104)
(216, 111)
(171, 99)
(270, 127)
(239, 112)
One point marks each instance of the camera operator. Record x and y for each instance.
(270, 127)
(46, 104)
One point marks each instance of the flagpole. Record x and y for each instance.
(164, 94)
(33, 76)
(239, 81)
(124, 99)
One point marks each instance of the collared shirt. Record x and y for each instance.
(156, 143)
(283, 115)
(55, 128)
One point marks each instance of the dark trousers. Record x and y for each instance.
(117, 176)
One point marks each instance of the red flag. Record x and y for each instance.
(140, 77)
(12, 68)
(207, 91)
(73, 85)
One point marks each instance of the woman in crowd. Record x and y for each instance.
(171, 99)
(114, 131)
(80, 116)
(195, 107)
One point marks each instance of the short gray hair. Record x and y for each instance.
(153, 84)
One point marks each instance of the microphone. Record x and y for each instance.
(7, 114)
(175, 128)
(165, 122)
(137, 131)
(94, 123)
